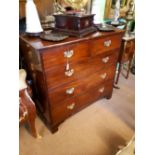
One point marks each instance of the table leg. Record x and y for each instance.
(118, 74)
(128, 69)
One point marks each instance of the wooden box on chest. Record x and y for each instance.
(71, 74)
(75, 24)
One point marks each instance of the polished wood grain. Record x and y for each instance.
(75, 25)
(27, 111)
(94, 64)
(82, 69)
(80, 52)
(79, 102)
(99, 45)
(128, 50)
(82, 85)
(126, 55)
(41, 45)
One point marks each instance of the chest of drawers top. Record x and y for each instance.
(40, 45)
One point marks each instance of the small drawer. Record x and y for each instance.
(60, 55)
(105, 44)
(78, 87)
(68, 107)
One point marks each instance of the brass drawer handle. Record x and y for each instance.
(70, 91)
(107, 43)
(71, 106)
(69, 72)
(105, 60)
(68, 54)
(103, 76)
(101, 90)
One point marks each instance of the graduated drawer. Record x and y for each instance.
(102, 45)
(78, 87)
(59, 55)
(74, 104)
(59, 76)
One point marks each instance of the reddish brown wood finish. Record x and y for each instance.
(72, 22)
(62, 111)
(27, 110)
(98, 47)
(82, 85)
(82, 69)
(90, 60)
(126, 55)
(57, 58)
(75, 25)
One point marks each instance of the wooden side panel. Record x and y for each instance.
(129, 48)
(35, 72)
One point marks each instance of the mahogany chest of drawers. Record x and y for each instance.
(71, 74)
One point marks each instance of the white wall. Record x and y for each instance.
(98, 7)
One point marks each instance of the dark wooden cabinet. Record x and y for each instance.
(71, 74)
(126, 55)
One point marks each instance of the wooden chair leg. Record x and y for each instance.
(31, 122)
(31, 114)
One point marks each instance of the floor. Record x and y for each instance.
(99, 129)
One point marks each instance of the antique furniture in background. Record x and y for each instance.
(126, 55)
(71, 74)
(44, 7)
(76, 4)
(110, 5)
(128, 44)
(27, 109)
(116, 13)
(130, 18)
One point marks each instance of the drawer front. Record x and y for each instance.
(74, 104)
(60, 55)
(78, 87)
(59, 76)
(105, 44)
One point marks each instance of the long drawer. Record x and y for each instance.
(59, 55)
(102, 45)
(60, 76)
(74, 104)
(78, 87)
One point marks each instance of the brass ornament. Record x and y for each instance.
(76, 4)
